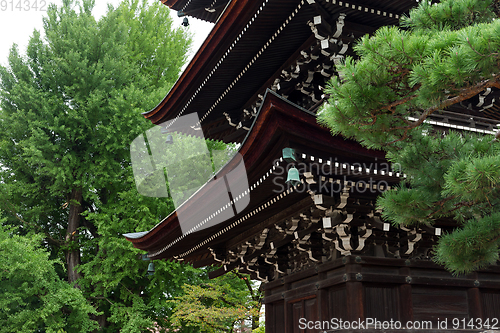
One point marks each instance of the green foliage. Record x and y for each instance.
(433, 189)
(449, 52)
(69, 110)
(32, 296)
(449, 15)
(475, 246)
(217, 306)
(260, 329)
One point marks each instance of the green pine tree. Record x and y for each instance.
(442, 54)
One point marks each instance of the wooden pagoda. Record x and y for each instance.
(320, 245)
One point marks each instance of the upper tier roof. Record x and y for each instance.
(249, 47)
(276, 44)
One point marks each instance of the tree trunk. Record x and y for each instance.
(73, 255)
(101, 320)
(255, 322)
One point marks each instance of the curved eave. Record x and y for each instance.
(277, 125)
(170, 3)
(236, 14)
(198, 88)
(206, 10)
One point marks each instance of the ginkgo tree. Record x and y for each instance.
(32, 295)
(70, 107)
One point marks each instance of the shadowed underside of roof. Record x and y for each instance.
(206, 10)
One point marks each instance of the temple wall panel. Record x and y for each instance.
(400, 290)
(490, 302)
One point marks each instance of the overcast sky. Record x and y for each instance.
(17, 25)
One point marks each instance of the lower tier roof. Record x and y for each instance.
(339, 181)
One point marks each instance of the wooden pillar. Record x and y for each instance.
(474, 299)
(355, 293)
(405, 301)
(288, 322)
(270, 322)
(323, 300)
(323, 306)
(355, 303)
(474, 303)
(405, 297)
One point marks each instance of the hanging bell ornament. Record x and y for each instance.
(293, 177)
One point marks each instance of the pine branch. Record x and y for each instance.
(463, 95)
(457, 206)
(390, 107)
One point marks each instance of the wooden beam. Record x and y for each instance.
(268, 223)
(405, 297)
(204, 262)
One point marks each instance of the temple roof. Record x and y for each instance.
(290, 47)
(279, 124)
(251, 45)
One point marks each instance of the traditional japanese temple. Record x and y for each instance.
(318, 242)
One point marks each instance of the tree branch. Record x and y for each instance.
(390, 107)
(464, 94)
(249, 286)
(19, 218)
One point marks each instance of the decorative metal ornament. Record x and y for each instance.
(293, 177)
(151, 269)
(289, 155)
